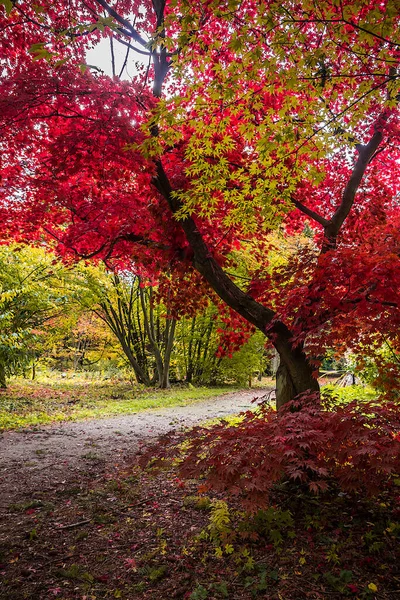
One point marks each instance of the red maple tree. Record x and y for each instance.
(248, 118)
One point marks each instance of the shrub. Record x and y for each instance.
(356, 446)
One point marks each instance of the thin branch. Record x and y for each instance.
(130, 47)
(345, 22)
(112, 55)
(124, 63)
(127, 27)
(338, 115)
(310, 213)
(396, 358)
(365, 155)
(79, 524)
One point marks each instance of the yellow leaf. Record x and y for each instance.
(228, 548)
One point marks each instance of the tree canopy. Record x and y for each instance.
(244, 119)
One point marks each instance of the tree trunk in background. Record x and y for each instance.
(3, 384)
(190, 361)
(164, 382)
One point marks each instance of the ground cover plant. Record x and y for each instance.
(146, 534)
(356, 445)
(27, 403)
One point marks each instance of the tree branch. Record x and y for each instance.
(112, 55)
(261, 316)
(110, 244)
(124, 63)
(339, 21)
(130, 47)
(128, 29)
(206, 264)
(310, 213)
(365, 155)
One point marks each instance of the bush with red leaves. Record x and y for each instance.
(356, 447)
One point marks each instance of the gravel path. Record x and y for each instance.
(58, 455)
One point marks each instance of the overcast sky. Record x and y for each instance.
(100, 56)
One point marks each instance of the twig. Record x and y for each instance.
(78, 524)
(137, 503)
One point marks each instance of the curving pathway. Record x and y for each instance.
(60, 455)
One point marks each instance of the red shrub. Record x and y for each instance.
(357, 446)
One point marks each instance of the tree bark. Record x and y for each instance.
(190, 361)
(287, 388)
(3, 384)
(148, 319)
(164, 383)
(111, 318)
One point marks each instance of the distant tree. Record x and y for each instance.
(135, 315)
(197, 345)
(32, 294)
(249, 361)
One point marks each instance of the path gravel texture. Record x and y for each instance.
(59, 455)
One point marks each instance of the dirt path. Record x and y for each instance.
(52, 456)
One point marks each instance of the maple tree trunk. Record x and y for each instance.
(3, 384)
(296, 373)
(290, 383)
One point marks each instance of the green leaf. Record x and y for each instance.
(8, 5)
(60, 62)
(38, 47)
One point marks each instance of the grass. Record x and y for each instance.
(28, 403)
(361, 393)
(33, 403)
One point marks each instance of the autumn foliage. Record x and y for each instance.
(252, 125)
(249, 119)
(351, 448)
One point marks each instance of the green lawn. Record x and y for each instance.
(27, 403)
